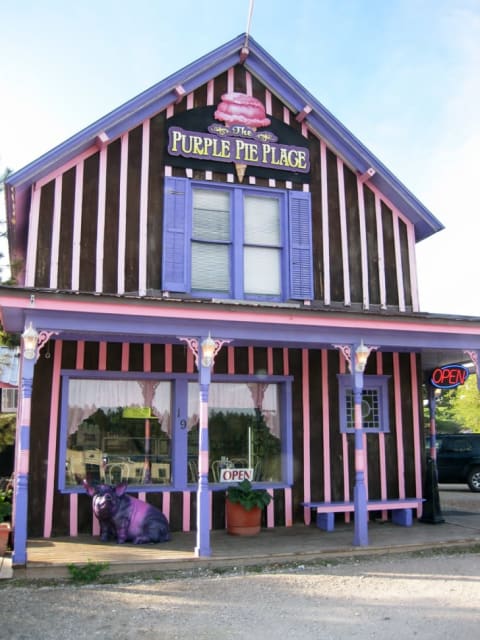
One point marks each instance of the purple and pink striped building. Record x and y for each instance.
(223, 201)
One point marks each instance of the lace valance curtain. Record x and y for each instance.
(85, 397)
(239, 397)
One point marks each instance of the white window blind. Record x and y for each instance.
(210, 267)
(262, 221)
(261, 271)
(256, 243)
(262, 262)
(210, 231)
(211, 215)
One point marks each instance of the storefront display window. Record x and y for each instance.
(118, 431)
(244, 426)
(122, 430)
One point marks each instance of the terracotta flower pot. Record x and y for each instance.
(5, 529)
(241, 522)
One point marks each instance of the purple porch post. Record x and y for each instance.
(357, 361)
(432, 407)
(360, 538)
(22, 456)
(204, 351)
(203, 495)
(432, 512)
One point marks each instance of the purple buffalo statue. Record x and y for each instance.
(125, 518)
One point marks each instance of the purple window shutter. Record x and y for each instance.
(174, 266)
(300, 228)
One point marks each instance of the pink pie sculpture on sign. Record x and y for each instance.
(239, 109)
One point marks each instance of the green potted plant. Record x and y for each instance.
(5, 512)
(244, 506)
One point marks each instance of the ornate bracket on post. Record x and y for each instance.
(43, 338)
(193, 346)
(346, 350)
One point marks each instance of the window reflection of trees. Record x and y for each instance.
(243, 427)
(106, 441)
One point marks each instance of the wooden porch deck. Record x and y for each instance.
(49, 558)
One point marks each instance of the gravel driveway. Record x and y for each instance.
(428, 596)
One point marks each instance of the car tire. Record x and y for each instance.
(474, 479)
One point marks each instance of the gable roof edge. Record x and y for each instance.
(279, 81)
(341, 140)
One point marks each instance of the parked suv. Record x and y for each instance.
(458, 459)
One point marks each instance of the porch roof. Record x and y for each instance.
(440, 338)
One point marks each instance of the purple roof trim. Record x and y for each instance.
(158, 328)
(277, 79)
(342, 140)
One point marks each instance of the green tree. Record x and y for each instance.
(464, 406)
(444, 418)
(456, 409)
(7, 430)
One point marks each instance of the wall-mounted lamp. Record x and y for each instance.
(361, 356)
(30, 341)
(207, 350)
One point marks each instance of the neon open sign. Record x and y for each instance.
(449, 376)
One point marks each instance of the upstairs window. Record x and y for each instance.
(236, 242)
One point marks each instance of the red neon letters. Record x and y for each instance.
(449, 376)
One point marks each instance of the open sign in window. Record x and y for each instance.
(236, 475)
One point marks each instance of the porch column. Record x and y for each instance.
(202, 548)
(360, 491)
(432, 512)
(357, 357)
(433, 395)
(204, 351)
(22, 457)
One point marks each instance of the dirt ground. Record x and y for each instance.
(428, 596)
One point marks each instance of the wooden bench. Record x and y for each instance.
(401, 509)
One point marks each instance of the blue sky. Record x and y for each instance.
(402, 75)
